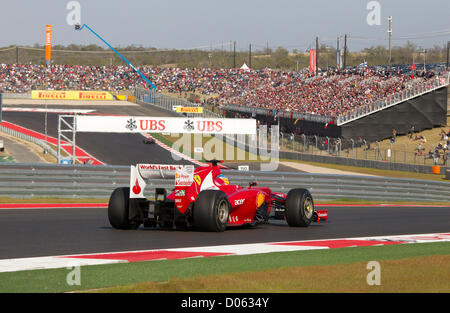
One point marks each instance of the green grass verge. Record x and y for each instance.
(7, 159)
(394, 276)
(101, 276)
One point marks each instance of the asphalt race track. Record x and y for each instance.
(50, 232)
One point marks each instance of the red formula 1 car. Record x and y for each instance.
(204, 198)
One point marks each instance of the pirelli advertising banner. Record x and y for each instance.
(142, 124)
(189, 110)
(71, 95)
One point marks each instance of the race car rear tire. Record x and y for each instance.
(299, 208)
(118, 209)
(211, 211)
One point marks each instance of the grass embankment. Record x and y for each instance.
(212, 145)
(403, 150)
(397, 276)
(404, 268)
(375, 172)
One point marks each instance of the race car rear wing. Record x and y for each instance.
(141, 174)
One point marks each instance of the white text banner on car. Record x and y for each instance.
(144, 124)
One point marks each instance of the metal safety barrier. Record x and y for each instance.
(88, 181)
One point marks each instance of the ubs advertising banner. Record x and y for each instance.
(143, 124)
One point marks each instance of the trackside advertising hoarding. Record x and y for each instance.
(143, 124)
(71, 95)
(189, 109)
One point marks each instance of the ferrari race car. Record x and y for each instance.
(204, 198)
(148, 140)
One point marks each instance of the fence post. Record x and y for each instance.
(405, 152)
(365, 148)
(353, 146)
(391, 152)
(315, 136)
(328, 144)
(378, 152)
(293, 142)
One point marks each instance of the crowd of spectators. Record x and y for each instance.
(331, 93)
(23, 78)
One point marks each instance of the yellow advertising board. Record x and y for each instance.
(71, 95)
(190, 110)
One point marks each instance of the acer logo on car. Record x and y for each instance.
(209, 126)
(152, 125)
(239, 201)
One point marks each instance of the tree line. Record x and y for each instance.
(279, 58)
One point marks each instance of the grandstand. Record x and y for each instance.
(356, 103)
(342, 101)
(335, 95)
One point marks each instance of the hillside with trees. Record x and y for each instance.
(279, 58)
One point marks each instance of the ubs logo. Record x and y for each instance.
(189, 125)
(131, 124)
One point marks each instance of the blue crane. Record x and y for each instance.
(152, 86)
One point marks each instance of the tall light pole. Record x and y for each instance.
(250, 55)
(345, 51)
(338, 54)
(234, 54)
(390, 37)
(424, 58)
(317, 55)
(448, 50)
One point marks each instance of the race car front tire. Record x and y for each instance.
(211, 211)
(118, 209)
(299, 208)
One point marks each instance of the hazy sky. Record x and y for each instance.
(196, 23)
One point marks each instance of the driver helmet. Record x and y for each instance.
(222, 180)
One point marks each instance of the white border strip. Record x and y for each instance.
(22, 264)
